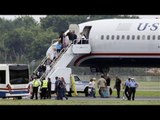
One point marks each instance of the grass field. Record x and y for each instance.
(142, 93)
(78, 102)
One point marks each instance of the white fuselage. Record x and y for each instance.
(121, 38)
(106, 36)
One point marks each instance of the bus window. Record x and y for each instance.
(19, 74)
(2, 76)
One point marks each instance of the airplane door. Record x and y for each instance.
(86, 31)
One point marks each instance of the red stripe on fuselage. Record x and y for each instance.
(116, 55)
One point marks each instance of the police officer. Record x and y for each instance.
(44, 86)
(127, 87)
(133, 85)
(36, 84)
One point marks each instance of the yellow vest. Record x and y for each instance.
(35, 83)
(45, 83)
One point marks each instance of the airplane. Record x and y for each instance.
(111, 43)
(114, 43)
(121, 43)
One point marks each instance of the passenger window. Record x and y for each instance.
(107, 37)
(138, 37)
(133, 37)
(102, 37)
(128, 37)
(143, 37)
(148, 37)
(117, 37)
(112, 37)
(123, 37)
(153, 37)
(2, 76)
(158, 37)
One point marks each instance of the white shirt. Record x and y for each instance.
(133, 84)
(92, 84)
(127, 83)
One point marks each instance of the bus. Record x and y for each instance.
(14, 79)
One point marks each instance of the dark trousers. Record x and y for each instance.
(126, 91)
(35, 92)
(49, 94)
(64, 93)
(118, 91)
(92, 93)
(59, 94)
(44, 93)
(132, 93)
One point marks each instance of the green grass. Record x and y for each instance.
(142, 93)
(78, 102)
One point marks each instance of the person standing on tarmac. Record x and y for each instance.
(64, 88)
(60, 89)
(127, 87)
(56, 86)
(36, 85)
(92, 88)
(108, 80)
(133, 85)
(101, 85)
(49, 89)
(44, 86)
(118, 86)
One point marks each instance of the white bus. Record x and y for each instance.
(14, 79)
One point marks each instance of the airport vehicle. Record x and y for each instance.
(73, 83)
(14, 79)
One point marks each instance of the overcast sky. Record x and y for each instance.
(37, 17)
(11, 17)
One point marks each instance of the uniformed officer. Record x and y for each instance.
(44, 86)
(133, 85)
(127, 87)
(36, 84)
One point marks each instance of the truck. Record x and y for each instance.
(14, 79)
(73, 83)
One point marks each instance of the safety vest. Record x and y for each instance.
(45, 83)
(35, 83)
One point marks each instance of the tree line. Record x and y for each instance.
(24, 39)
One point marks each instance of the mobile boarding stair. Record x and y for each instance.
(64, 57)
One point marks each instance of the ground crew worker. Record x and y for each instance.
(44, 86)
(36, 84)
(133, 85)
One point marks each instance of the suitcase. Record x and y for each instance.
(105, 93)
